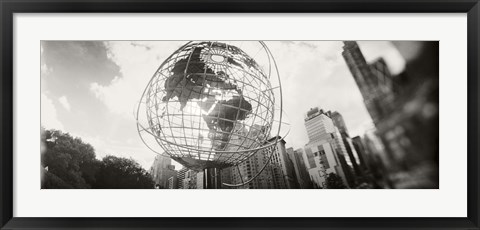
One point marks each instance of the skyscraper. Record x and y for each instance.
(279, 173)
(303, 179)
(339, 123)
(325, 152)
(322, 160)
(181, 176)
(374, 81)
(282, 168)
(172, 182)
(360, 149)
(247, 170)
(190, 180)
(352, 154)
(161, 170)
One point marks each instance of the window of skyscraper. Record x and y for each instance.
(324, 160)
(310, 158)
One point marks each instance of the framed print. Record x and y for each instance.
(207, 114)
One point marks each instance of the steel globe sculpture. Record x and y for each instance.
(210, 105)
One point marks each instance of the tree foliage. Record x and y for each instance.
(49, 180)
(335, 182)
(68, 162)
(68, 158)
(122, 173)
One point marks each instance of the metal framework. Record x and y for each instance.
(210, 105)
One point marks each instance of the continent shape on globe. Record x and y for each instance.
(218, 95)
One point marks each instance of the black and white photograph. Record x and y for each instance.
(239, 114)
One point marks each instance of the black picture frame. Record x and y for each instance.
(10, 7)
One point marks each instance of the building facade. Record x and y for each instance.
(325, 152)
(352, 157)
(181, 176)
(172, 182)
(322, 160)
(190, 180)
(161, 170)
(373, 79)
(283, 171)
(278, 170)
(248, 169)
(301, 173)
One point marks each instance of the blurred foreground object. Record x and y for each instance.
(404, 109)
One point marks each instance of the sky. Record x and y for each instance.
(90, 89)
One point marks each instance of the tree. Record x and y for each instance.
(122, 173)
(50, 181)
(335, 182)
(70, 161)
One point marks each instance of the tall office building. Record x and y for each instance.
(360, 149)
(352, 155)
(172, 182)
(339, 122)
(190, 181)
(282, 168)
(181, 176)
(251, 167)
(301, 173)
(325, 151)
(161, 170)
(242, 136)
(279, 173)
(321, 161)
(248, 169)
(374, 81)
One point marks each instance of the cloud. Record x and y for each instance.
(137, 62)
(315, 74)
(64, 102)
(49, 119)
(376, 49)
(130, 149)
(116, 96)
(45, 69)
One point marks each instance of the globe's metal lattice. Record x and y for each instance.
(209, 105)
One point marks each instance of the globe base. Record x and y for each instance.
(212, 178)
